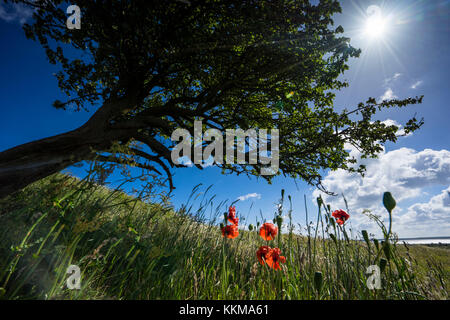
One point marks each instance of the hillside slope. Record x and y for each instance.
(128, 249)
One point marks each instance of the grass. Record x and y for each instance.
(130, 249)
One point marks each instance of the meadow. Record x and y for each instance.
(128, 248)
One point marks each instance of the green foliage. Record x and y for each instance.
(157, 66)
(128, 249)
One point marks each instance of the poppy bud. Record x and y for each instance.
(221, 226)
(383, 263)
(319, 201)
(250, 227)
(318, 280)
(375, 241)
(388, 201)
(333, 237)
(366, 237)
(279, 221)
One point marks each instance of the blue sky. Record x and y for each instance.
(409, 58)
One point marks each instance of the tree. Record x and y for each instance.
(149, 67)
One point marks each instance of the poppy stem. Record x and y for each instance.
(224, 266)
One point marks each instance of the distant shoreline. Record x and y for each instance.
(425, 240)
(431, 240)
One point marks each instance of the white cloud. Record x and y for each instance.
(417, 84)
(390, 80)
(400, 131)
(15, 12)
(432, 218)
(396, 76)
(405, 173)
(208, 162)
(248, 196)
(388, 95)
(185, 160)
(388, 84)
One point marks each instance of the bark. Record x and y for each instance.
(27, 163)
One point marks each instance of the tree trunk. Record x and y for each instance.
(27, 163)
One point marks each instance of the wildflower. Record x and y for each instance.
(262, 253)
(274, 258)
(232, 216)
(341, 216)
(268, 231)
(230, 231)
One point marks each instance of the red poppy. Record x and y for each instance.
(230, 232)
(341, 216)
(274, 258)
(268, 231)
(262, 253)
(232, 216)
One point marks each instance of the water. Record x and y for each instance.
(426, 241)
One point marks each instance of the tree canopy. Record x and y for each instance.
(149, 67)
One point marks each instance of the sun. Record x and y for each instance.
(376, 24)
(375, 27)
